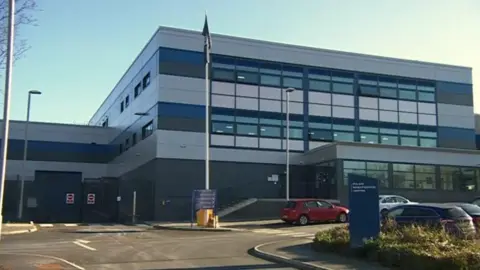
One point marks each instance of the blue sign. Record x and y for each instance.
(204, 199)
(364, 217)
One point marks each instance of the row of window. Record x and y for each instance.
(274, 126)
(415, 176)
(137, 90)
(146, 131)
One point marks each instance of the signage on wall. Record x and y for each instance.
(273, 178)
(70, 198)
(91, 198)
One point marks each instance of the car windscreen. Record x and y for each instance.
(457, 212)
(471, 209)
(290, 205)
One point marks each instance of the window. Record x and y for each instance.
(292, 82)
(388, 93)
(422, 96)
(408, 95)
(467, 180)
(247, 77)
(127, 101)
(121, 107)
(425, 177)
(121, 148)
(105, 123)
(137, 90)
(134, 139)
(368, 91)
(147, 130)
(127, 144)
(379, 171)
(425, 142)
(368, 138)
(418, 212)
(270, 80)
(268, 131)
(403, 176)
(320, 135)
(181, 56)
(343, 136)
(146, 80)
(353, 167)
(223, 128)
(409, 141)
(395, 213)
(250, 130)
(319, 85)
(448, 176)
(342, 88)
(295, 133)
(223, 75)
(311, 204)
(389, 139)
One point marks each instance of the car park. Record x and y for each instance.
(305, 211)
(472, 210)
(450, 217)
(386, 202)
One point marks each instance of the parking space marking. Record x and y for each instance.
(70, 225)
(46, 225)
(311, 237)
(80, 244)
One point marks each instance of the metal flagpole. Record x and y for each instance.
(208, 44)
(6, 103)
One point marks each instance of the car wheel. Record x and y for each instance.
(342, 218)
(303, 220)
(384, 212)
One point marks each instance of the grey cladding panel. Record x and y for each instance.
(59, 156)
(455, 99)
(181, 69)
(181, 124)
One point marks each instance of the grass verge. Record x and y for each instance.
(413, 248)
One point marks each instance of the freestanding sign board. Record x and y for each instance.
(203, 199)
(70, 198)
(91, 198)
(364, 217)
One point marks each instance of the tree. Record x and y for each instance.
(24, 10)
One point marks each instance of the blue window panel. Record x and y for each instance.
(426, 86)
(181, 110)
(223, 60)
(222, 111)
(320, 74)
(367, 79)
(387, 82)
(292, 71)
(247, 65)
(477, 140)
(456, 133)
(246, 113)
(319, 119)
(270, 68)
(340, 121)
(342, 76)
(182, 56)
(407, 127)
(458, 88)
(46, 146)
(427, 128)
(407, 84)
(271, 115)
(294, 117)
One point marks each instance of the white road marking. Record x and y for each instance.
(76, 266)
(289, 234)
(311, 237)
(84, 246)
(71, 225)
(46, 225)
(303, 235)
(82, 241)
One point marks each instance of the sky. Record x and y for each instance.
(80, 49)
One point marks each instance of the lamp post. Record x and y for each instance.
(25, 149)
(287, 184)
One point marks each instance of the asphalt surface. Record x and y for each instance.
(87, 248)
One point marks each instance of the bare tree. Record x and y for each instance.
(23, 16)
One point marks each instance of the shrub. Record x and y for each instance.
(412, 247)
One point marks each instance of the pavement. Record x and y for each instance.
(18, 228)
(299, 254)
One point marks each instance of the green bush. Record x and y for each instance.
(412, 248)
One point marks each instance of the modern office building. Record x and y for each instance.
(409, 124)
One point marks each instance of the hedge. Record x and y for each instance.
(413, 248)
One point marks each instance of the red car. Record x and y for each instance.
(304, 211)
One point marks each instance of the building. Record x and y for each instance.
(408, 123)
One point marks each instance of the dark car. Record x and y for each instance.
(472, 210)
(304, 211)
(447, 216)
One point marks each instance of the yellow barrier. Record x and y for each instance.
(203, 217)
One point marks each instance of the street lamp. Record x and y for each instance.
(287, 184)
(25, 149)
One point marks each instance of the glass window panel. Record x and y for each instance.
(368, 138)
(381, 176)
(407, 85)
(223, 66)
(425, 180)
(426, 88)
(247, 77)
(293, 123)
(389, 131)
(387, 83)
(292, 71)
(320, 125)
(409, 141)
(270, 80)
(389, 139)
(343, 127)
(377, 166)
(466, 180)
(251, 120)
(448, 176)
(222, 74)
(348, 164)
(220, 117)
(295, 133)
(320, 135)
(367, 82)
(267, 131)
(388, 93)
(428, 142)
(268, 121)
(346, 172)
(224, 128)
(292, 82)
(270, 69)
(429, 134)
(408, 132)
(403, 180)
(368, 91)
(424, 169)
(403, 167)
(319, 85)
(369, 129)
(320, 75)
(410, 95)
(343, 136)
(247, 129)
(342, 88)
(342, 78)
(426, 96)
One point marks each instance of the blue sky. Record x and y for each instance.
(80, 49)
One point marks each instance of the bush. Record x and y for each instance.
(412, 248)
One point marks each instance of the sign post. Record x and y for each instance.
(70, 198)
(364, 218)
(91, 198)
(204, 200)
